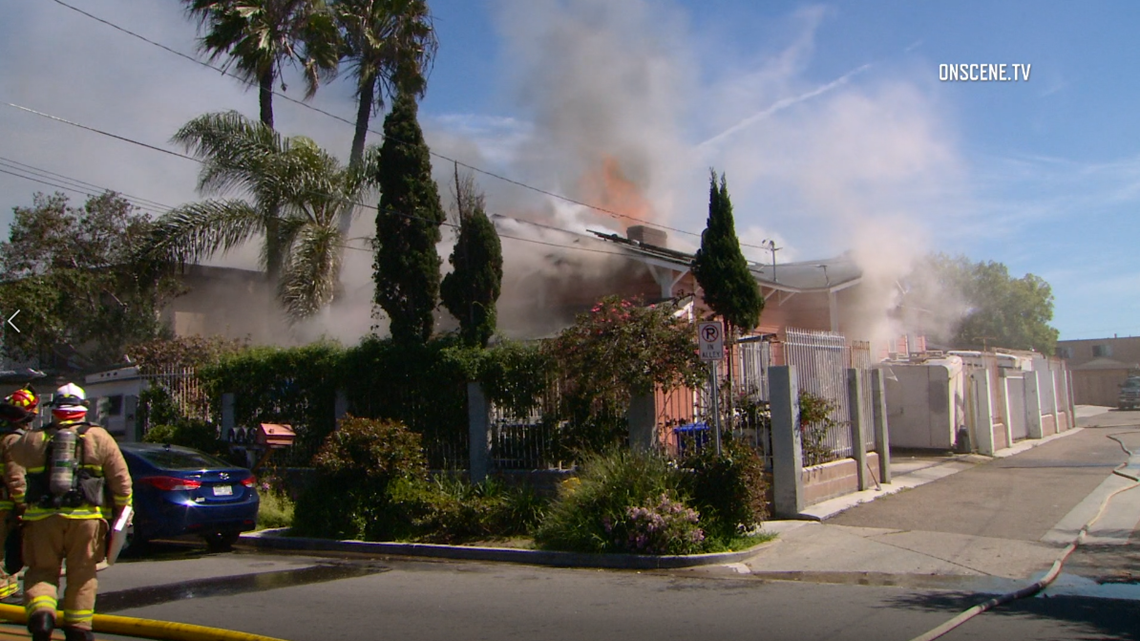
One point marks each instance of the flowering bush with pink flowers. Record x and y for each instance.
(663, 526)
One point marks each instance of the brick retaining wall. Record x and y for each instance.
(837, 478)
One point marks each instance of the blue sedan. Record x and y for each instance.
(180, 491)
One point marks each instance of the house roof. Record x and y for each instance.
(1105, 363)
(832, 274)
(20, 376)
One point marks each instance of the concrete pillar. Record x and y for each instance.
(882, 433)
(340, 405)
(1069, 396)
(1033, 404)
(1007, 413)
(228, 420)
(984, 419)
(642, 419)
(1057, 404)
(855, 407)
(478, 432)
(787, 446)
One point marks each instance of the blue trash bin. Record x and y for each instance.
(697, 434)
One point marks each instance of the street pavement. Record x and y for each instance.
(979, 523)
(947, 532)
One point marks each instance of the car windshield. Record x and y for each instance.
(1132, 382)
(181, 460)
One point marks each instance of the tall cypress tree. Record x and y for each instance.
(720, 268)
(471, 289)
(406, 266)
(722, 272)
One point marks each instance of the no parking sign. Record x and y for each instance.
(710, 336)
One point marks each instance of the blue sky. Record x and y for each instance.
(829, 119)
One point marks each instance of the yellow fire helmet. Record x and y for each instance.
(24, 398)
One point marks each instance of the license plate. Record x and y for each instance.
(223, 490)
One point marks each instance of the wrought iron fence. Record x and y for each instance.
(821, 360)
(752, 417)
(184, 388)
(526, 443)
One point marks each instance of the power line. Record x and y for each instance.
(44, 182)
(74, 184)
(382, 136)
(99, 131)
(356, 203)
(65, 187)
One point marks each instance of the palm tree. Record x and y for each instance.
(259, 37)
(295, 193)
(389, 45)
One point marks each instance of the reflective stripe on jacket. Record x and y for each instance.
(97, 452)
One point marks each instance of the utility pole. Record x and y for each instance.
(772, 248)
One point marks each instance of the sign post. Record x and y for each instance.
(710, 337)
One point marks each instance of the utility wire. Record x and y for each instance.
(99, 131)
(44, 182)
(62, 186)
(490, 174)
(377, 208)
(79, 185)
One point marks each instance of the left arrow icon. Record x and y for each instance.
(11, 323)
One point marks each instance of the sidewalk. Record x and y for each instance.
(988, 529)
(913, 471)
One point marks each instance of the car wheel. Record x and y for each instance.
(221, 541)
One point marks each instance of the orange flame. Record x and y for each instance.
(609, 188)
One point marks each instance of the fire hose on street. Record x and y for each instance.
(146, 628)
(1055, 570)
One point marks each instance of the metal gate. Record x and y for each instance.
(821, 360)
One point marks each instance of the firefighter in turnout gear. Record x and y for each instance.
(16, 413)
(76, 481)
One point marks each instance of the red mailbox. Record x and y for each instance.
(274, 435)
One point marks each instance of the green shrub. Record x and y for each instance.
(355, 467)
(590, 506)
(664, 526)
(296, 386)
(815, 422)
(275, 510)
(187, 432)
(618, 350)
(157, 407)
(445, 510)
(730, 491)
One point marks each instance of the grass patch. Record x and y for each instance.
(738, 542)
(275, 510)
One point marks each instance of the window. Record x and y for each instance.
(1102, 351)
(1065, 352)
(114, 405)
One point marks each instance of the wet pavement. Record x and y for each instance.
(111, 602)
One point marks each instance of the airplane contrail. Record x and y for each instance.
(783, 104)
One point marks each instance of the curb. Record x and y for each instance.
(272, 540)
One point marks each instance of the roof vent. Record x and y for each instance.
(646, 235)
